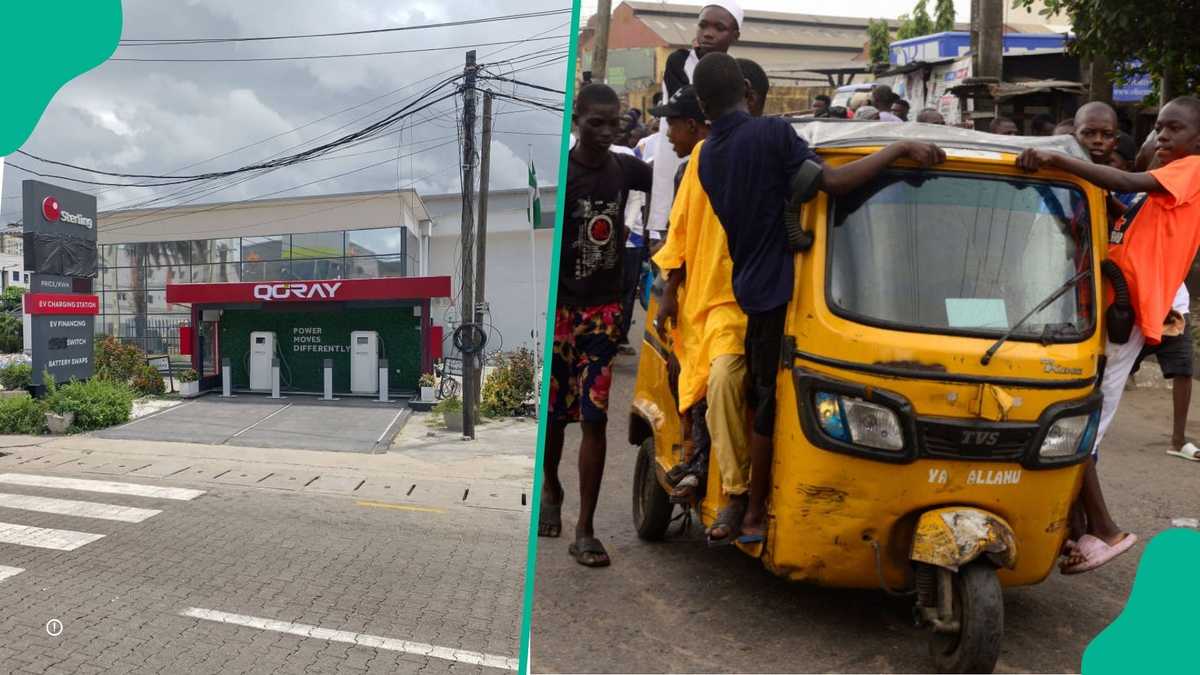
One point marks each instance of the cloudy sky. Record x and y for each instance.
(159, 117)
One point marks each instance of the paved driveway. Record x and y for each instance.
(346, 425)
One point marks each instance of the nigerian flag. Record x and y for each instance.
(535, 198)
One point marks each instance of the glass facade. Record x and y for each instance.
(133, 277)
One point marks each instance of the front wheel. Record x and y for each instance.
(651, 503)
(979, 611)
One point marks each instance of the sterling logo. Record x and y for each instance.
(297, 291)
(53, 213)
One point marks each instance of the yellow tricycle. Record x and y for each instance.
(938, 387)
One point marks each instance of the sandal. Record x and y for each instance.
(588, 551)
(729, 518)
(550, 519)
(1095, 552)
(685, 490)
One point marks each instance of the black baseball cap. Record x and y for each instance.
(683, 104)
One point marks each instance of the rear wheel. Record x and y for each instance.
(651, 503)
(979, 610)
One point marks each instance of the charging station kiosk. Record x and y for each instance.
(262, 351)
(364, 362)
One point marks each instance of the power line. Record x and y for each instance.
(524, 84)
(147, 42)
(527, 101)
(367, 132)
(345, 56)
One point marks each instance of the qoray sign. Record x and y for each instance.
(324, 290)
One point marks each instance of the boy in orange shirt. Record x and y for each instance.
(1153, 244)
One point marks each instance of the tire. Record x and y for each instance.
(979, 608)
(447, 388)
(651, 504)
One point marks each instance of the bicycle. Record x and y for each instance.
(447, 386)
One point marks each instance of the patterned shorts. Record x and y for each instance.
(585, 343)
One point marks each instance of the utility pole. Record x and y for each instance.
(468, 282)
(600, 49)
(485, 155)
(987, 58)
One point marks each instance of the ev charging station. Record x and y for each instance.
(364, 362)
(262, 352)
(342, 337)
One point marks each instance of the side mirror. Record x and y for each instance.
(805, 185)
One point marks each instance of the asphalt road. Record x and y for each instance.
(142, 575)
(677, 606)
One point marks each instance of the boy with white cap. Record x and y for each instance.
(718, 28)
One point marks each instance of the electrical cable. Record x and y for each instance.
(141, 42)
(343, 56)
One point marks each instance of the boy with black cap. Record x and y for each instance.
(746, 167)
(686, 125)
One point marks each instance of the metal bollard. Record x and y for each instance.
(327, 366)
(275, 378)
(383, 383)
(226, 379)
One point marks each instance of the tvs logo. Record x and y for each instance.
(600, 230)
(980, 437)
(297, 291)
(52, 212)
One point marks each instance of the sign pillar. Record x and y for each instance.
(60, 254)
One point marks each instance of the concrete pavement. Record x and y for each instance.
(159, 557)
(677, 606)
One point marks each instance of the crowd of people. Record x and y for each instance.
(717, 176)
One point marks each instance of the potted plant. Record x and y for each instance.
(427, 384)
(189, 383)
(452, 412)
(58, 418)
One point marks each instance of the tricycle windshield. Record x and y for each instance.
(962, 254)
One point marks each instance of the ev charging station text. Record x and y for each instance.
(311, 339)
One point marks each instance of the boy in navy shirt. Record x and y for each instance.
(746, 168)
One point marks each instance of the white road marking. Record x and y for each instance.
(153, 415)
(71, 507)
(389, 426)
(391, 644)
(41, 537)
(261, 421)
(110, 487)
(6, 572)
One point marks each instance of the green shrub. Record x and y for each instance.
(11, 299)
(96, 403)
(189, 375)
(147, 381)
(117, 361)
(509, 386)
(452, 404)
(22, 415)
(16, 376)
(12, 338)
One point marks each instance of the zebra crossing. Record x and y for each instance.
(69, 540)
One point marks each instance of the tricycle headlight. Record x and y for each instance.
(1068, 436)
(854, 420)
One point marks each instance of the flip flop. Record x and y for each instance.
(1188, 451)
(685, 490)
(589, 552)
(550, 519)
(730, 518)
(1096, 553)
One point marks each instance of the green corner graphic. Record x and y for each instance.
(48, 44)
(1152, 634)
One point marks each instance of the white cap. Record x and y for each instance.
(731, 6)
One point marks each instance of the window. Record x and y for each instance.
(382, 241)
(257, 249)
(318, 245)
(375, 266)
(16, 277)
(961, 254)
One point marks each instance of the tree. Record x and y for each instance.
(878, 38)
(943, 12)
(1137, 38)
(917, 24)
